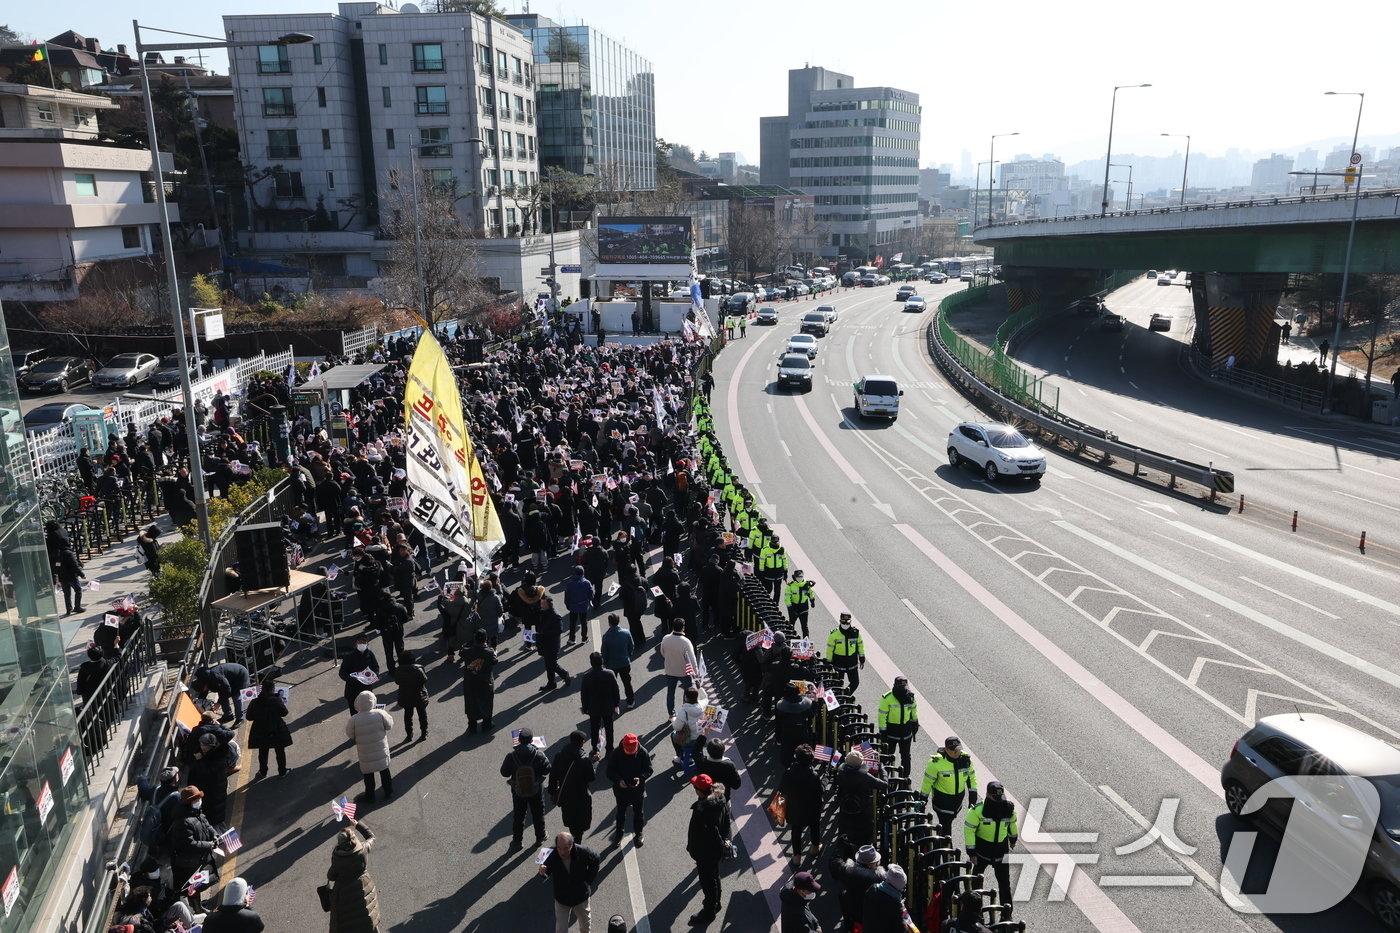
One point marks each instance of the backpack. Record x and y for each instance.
(682, 481)
(525, 782)
(152, 830)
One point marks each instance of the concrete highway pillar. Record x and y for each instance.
(1235, 315)
(1025, 285)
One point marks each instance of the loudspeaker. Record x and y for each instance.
(262, 561)
(585, 288)
(472, 351)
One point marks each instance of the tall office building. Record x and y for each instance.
(1042, 179)
(597, 103)
(856, 149)
(1271, 174)
(328, 126)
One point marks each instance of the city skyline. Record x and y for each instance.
(1245, 100)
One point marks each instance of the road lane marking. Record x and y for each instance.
(1133, 384)
(933, 629)
(1368, 501)
(1292, 599)
(1335, 441)
(786, 453)
(827, 511)
(1193, 547)
(1211, 452)
(1117, 414)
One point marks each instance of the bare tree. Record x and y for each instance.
(754, 241)
(1376, 298)
(428, 238)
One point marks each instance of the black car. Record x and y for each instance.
(168, 373)
(51, 415)
(25, 359)
(57, 374)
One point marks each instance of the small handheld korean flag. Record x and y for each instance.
(198, 880)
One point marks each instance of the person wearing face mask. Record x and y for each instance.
(899, 720)
(194, 844)
(855, 799)
(233, 914)
(356, 661)
(989, 833)
(949, 776)
(846, 650)
(708, 843)
(796, 898)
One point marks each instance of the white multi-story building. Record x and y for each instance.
(1043, 180)
(331, 125)
(856, 150)
(1271, 174)
(70, 209)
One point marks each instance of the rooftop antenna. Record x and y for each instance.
(1298, 711)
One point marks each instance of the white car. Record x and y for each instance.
(915, 303)
(829, 311)
(126, 369)
(997, 450)
(802, 343)
(878, 396)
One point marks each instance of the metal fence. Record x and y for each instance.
(1265, 386)
(352, 341)
(105, 710)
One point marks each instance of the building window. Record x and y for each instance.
(519, 107)
(320, 97)
(85, 185)
(510, 216)
(510, 178)
(493, 178)
(389, 139)
(316, 53)
(131, 237)
(527, 72)
(427, 56)
(282, 144)
(432, 100)
(432, 143)
(277, 102)
(330, 181)
(81, 117)
(287, 185)
(45, 112)
(520, 144)
(502, 61)
(325, 139)
(517, 73)
(383, 54)
(505, 105)
(495, 215)
(490, 137)
(273, 60)
(388, 97)
(440, 179)
(483, 58)
(532, 146)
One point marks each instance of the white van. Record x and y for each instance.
(878, 396)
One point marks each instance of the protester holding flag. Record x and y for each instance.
(359, 669)
(680, 663)
(194, 844)
(354, 899)
(209, 772)
(233, 915)
(802, 790)
(855, 795)
(267, 715)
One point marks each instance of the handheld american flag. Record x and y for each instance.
(689, 669)
(824, 753)
(343, 809)
(232, 842)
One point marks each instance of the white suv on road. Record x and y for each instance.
(997, 450)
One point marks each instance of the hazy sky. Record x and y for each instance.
(1231, 73)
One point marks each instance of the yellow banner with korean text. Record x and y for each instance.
(449, 499)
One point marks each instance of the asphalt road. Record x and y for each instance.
(1098, 644)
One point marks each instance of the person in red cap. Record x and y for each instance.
(796, 899)
(708, 843)
(629, 766)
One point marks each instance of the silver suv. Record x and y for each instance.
(1313, 746)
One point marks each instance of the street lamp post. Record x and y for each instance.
(992, 158)
(977, 189)
(1128, 202)
(1351, 238)
(1184, 163)
(177, 317)
(1108, 156)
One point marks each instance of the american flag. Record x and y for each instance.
(825, 753)
(867, 751)
(689, 669)
(343, 809)
(230, 839)
(252, 893)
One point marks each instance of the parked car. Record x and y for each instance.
(868, 281)
(57, 374)
(800, 289)
(738, 303)
(168, 372)
(829, 311)
(24, 359)
(815, 323)
(882, 280)
(915, 303)
(795, 369)
(52, 415)
(1110, 321)
(802, 343)
(1323, 767)
(767, 316)
(997, 449)
(877, 396)
(1159, 322)
(126, 369)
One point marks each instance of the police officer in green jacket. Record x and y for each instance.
(772, 566)
(845, 649)
(799, 599)
(899, 719)
(989, 833)
(949, 776)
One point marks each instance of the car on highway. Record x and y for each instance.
(126, 369)
(937, 278)
(1089, 304)
(965, 277)
(766, 316)
(815, 323)
(168, 373)
(738, 303)
(869, 281)
(57, 374)
(829, 311)
(1151, 273)
(801, 289)
(877, 396)
(1110, 321)
(882, 280)
(802, 343)
(52, 415)
(1339, 775)
(1163, 280)
(998, 450)
(904, 292)
(25, 359)
(795, 369)
(1159, 322)
(915, 303)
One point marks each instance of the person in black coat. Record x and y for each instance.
(792, 721)
(549, 630)
(70, 577)
(479, 682)
(193, 840)
(707, 842)
(91, 672)
(572, 868)
(520, 759)
(331, 500)
(267, 715)
(209, 772)
(570, 776)
(233, 914)
(361, 659)
(796, 898)
(855, 794)
(228, 680)
(413, 692)
(802, 789)
(856, 870)
(718, 767)
(600, 699)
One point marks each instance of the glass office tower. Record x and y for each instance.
(43, 781)
(596, 101)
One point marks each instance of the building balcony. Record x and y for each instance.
(519, 116)
(488, 110)
(508, 153)
(279, 110)
(486, 69)
(429, 64)
(502, 73)
(284, 152)
(518, 79)
(431, 107)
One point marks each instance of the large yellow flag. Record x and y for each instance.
(448, 496)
